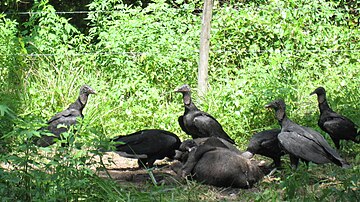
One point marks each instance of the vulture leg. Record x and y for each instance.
(142, 163)
(150, 162)
(277, 162)
(336, 142)
(294, 161)
(306, 162)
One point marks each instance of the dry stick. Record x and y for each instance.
(103, 165)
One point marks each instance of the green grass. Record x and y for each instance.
(134, 59)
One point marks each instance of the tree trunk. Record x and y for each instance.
(204, 48)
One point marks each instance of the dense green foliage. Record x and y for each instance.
(135, 57)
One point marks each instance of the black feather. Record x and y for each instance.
(148, 146)
(197, 123)
(303, 142)
(266, 143)
(62, 121)
(337, 126)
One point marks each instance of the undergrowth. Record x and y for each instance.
(135, 57)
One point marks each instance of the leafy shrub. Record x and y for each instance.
(11, 71)
(134, 57)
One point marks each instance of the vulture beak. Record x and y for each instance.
(313, 93)
(273, 104)
(183, 88)
(92, 91)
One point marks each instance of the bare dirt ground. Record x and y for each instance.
(126, 170)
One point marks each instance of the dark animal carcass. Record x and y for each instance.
(192, 143)
(214, 164)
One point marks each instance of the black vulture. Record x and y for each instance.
(337, 126)
(302, 142)
(265, 143)
(147, 146)
(198, 123)
(214, 164)
(62, 121)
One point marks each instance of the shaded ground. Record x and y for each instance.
(139, 183)
(127, 170)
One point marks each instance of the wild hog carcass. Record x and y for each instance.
(214, 164)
